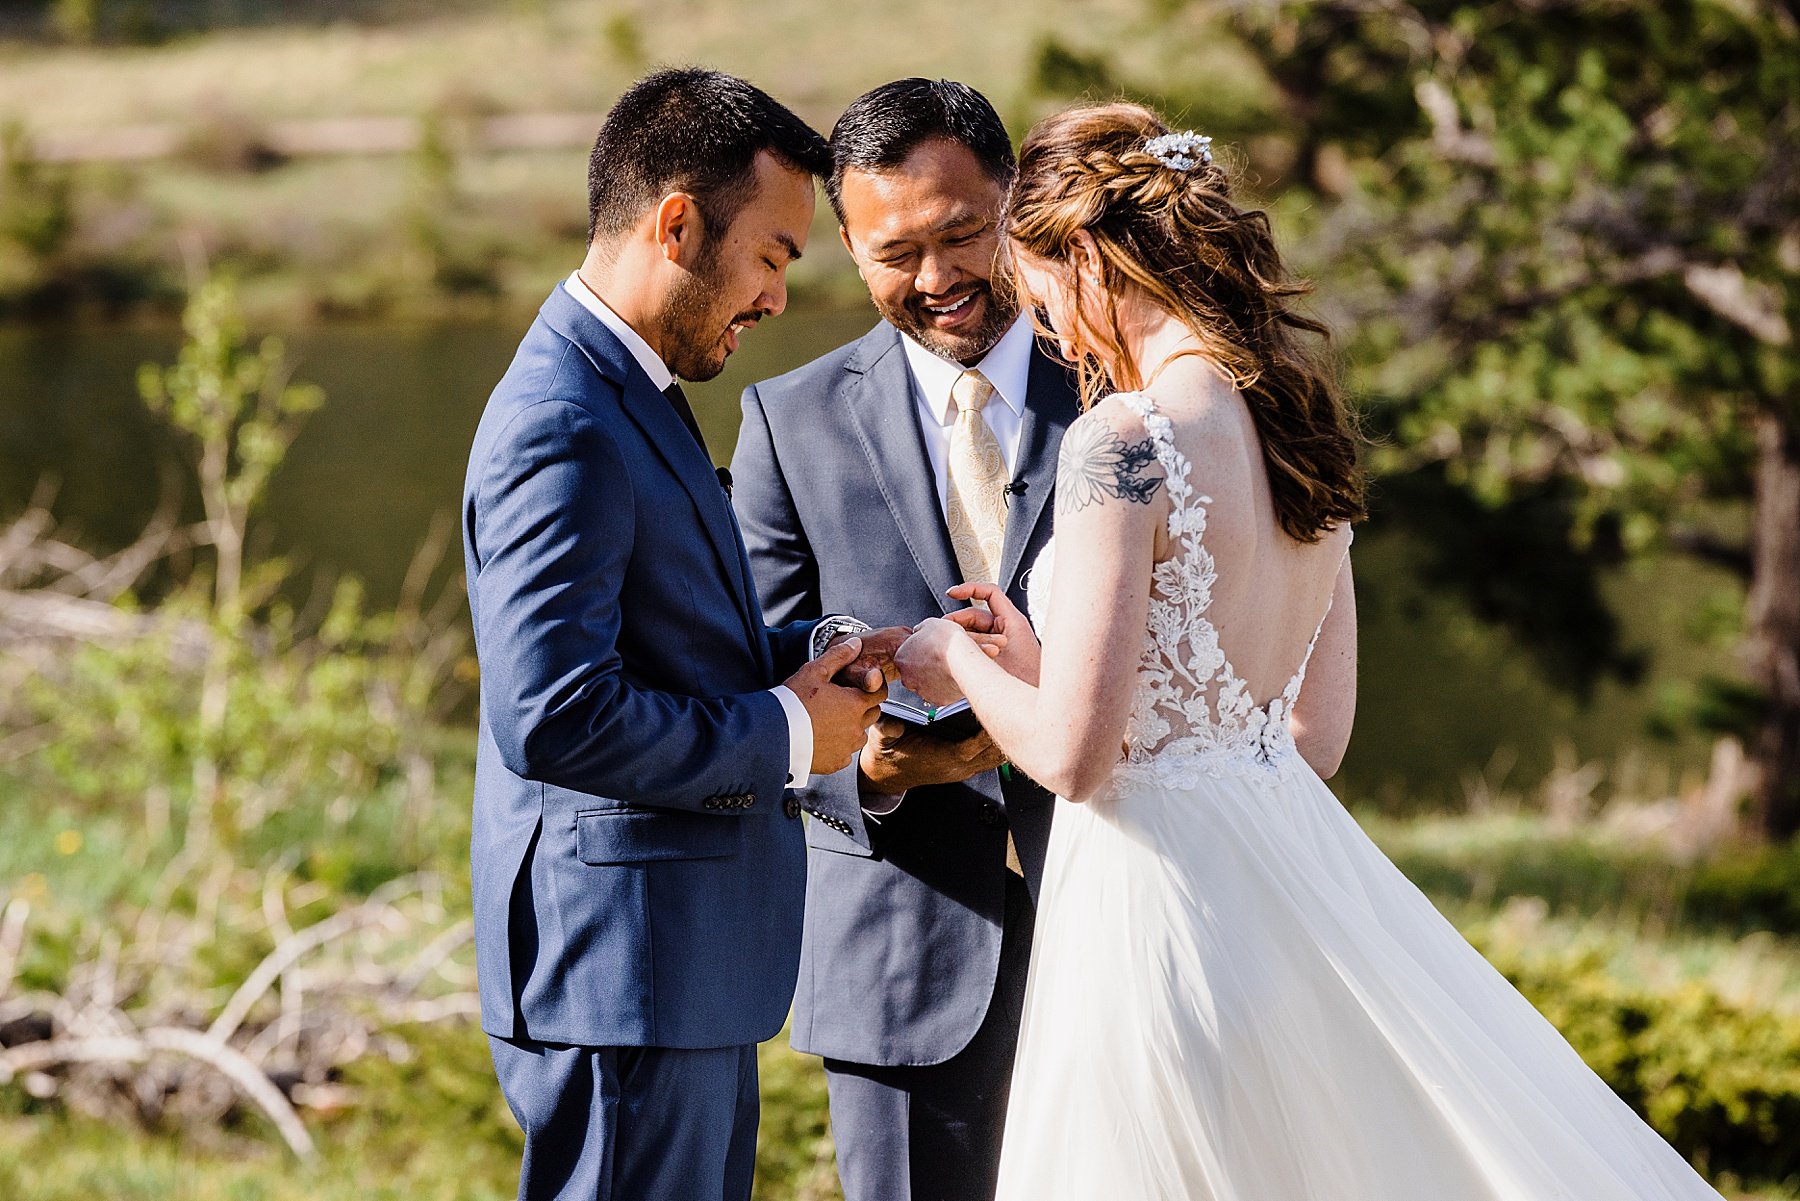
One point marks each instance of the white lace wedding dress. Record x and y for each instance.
(1234, 996)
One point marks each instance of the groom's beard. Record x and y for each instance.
(694, 326)
(998, 310)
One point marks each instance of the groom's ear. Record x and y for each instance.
(678, 228)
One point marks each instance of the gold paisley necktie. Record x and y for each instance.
(976, 499)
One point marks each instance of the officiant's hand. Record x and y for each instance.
(1019, 651)
(841, 715)
(897, 758)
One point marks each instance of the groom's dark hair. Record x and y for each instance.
(882, 127)
(692, 130)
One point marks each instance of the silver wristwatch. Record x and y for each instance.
(830, 627)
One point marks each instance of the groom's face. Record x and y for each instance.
(924, 235)
(738, 276)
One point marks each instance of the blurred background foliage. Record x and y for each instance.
(1559, 241)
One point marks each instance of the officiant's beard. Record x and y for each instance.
(694, 324)
(999, 310)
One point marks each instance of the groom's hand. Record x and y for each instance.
(895, 758)
(840, 713)
(878, 647)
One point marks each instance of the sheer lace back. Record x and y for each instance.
(1191, 711)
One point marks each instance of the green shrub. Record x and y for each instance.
(1720, 1083)
(1749, 890)
(37, 219)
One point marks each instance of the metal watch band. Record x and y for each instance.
(830, 627)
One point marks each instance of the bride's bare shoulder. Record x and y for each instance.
(1208, 422)
(1108, 453)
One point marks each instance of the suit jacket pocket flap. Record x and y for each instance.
(639, 836)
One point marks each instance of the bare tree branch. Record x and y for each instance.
(250, 1081)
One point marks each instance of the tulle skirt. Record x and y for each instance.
(1234, 996)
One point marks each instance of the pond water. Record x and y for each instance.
(1444, 698)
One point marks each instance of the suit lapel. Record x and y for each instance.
(670, 438)
(1050, 407)
(757, 627)
(882, 405)
(669, 435)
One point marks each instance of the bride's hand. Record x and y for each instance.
(1020, 653)
(924, 660)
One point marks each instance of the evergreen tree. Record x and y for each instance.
(1570, 235)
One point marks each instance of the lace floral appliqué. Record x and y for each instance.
(1191, 714)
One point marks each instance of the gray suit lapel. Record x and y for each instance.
(882, 406)
(1050, 406)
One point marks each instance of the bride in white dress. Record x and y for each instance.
(1234, 995)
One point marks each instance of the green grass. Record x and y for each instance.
(337, 237)
(428, 1127)
(427, 1120)
(568, 57)
(1589, 870)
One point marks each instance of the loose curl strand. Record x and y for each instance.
(1178, 237)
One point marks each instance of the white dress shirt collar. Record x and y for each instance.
(648, 359)
(1007, 366)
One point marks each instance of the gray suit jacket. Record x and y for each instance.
(839, 509)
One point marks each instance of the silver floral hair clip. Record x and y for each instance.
(1182, 151)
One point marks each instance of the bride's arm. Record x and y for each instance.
(1066, 732)
(1326, 709)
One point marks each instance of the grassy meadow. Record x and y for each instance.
(444, 228)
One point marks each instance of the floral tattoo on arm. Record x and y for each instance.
(1096, 463)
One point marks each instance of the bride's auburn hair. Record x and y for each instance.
(1178, 237)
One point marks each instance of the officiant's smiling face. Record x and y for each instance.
(924, 233)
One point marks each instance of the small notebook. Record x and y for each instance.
(954, 721)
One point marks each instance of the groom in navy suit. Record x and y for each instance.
(638, 872)
(851, 480)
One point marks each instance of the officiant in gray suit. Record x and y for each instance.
(920, 456)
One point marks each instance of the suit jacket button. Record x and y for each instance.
(990, 814)
(791, 807)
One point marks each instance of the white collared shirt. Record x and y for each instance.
(1007, 366)
(648, 359)
(799, 721)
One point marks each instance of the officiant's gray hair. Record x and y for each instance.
(688, 129)
(882, 127)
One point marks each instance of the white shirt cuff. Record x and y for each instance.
(800, 736)
(880, 804)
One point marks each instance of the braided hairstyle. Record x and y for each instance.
(1178, 238)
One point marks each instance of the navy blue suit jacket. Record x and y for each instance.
(840, 511)
(638, 880)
